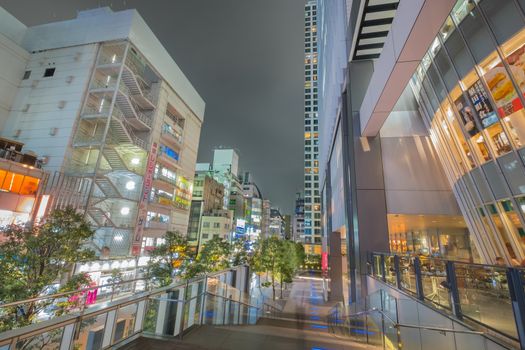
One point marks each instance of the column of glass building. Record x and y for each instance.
(470, 87)
(312, 201)
(111, 142)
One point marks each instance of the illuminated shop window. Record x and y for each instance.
(157, 217)
(18, 183)
(472, 93)
(170, 152)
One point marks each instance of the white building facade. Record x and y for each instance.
(103, 102)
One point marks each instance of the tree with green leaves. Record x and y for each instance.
(278, 259)
(300, 253)
(215, 256)
(239, 253)
(33, 258)
(266, 258)
(287, 263)
(170, 259)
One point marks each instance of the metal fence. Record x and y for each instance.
(491, 296)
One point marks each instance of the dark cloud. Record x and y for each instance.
(245, 59)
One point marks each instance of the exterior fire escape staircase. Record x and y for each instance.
(130, 111)
(99, 217)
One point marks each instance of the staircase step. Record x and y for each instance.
(107, 187)
(114, 159)
(161, 344)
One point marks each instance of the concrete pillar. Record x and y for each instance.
(336, 268)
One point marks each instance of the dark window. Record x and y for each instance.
(49, 72)
(27, 74)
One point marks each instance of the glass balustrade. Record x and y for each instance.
(91, 323)
(407, 274)
(484, 295)
(390, 270)
(473, 292)
(433, 277)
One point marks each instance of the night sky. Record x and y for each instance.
(244, 57)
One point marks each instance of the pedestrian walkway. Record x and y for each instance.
(301, 325)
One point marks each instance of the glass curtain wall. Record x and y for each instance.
(111, 143)
(470, 86)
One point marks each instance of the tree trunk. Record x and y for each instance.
(281, 286)
(273, 286)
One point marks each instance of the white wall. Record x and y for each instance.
(224, 158)
(105, 25)
(13, 60)
(13, 63)
(11, 28)
(415, 182)
(43, 97)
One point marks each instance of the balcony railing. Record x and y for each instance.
(105, 59)
(103, 84)
(175, 137)
(19, 157)
(157, 224)
(131, 312)
(490, 296)
(159, 176)
(94, 109)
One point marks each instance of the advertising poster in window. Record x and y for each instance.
(516, 61)
(467, 116)
(501, 88)
(480, 100)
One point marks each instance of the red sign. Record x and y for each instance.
(324, 261)
(142, 210)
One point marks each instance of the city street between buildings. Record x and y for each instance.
(301, 325)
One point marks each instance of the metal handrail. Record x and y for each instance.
(76, 316)
(63, 294)
(231, 299)
(105, 59)
(407, 255)
(396, 324)
(513, 291)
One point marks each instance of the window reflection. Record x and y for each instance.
(512, 219)
(501, 229)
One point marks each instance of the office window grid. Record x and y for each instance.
(312, 229)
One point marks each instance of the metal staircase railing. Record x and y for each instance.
(488, 297)
(379, 325)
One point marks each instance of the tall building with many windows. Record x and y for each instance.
(208, 197)
(312, 205)
(298, 218)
